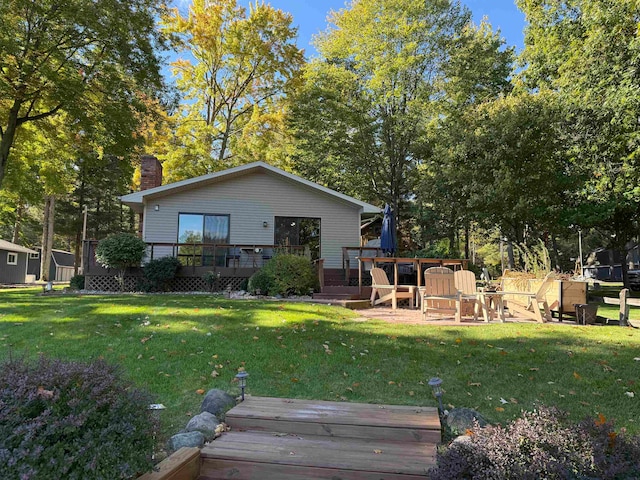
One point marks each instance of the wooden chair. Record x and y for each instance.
(439, 294)
(387, 292)
(528, 304)
(465, 282)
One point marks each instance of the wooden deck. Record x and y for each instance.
(275, 438)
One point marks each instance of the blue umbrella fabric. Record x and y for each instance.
(388, 233)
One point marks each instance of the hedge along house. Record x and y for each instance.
(231, 222)
(13, 262)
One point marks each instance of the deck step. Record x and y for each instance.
(293, 439)
(336, 296)
(269, 456)
(339, 419)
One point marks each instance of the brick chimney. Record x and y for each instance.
(150, 172)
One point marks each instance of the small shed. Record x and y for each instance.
(61, 267)
(13, 262)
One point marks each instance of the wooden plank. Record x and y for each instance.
(405, 434)
(344, 413)
(247, 470)
(181, 465)
(325, 452)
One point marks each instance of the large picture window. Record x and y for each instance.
(298, 231)
(199, 229)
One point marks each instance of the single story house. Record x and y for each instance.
(61, 267)
(234, 220)
(13, 262)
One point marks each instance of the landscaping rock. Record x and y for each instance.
(189, 439)
(460, 420)
(217, 402)
(205, 423)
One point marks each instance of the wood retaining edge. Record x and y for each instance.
(183, 464)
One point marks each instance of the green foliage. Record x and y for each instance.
(361, 113)
(239, 65)
(77, 282)
(89, 59)
(121, 251)
(72, 420)
(159, 272)
(587, 52)
(285, 275)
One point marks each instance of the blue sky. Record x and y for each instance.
(310, 17)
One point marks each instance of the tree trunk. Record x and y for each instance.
(8, 135)
(511, 262)
(47, 238)
(556, 255)
(18, 223)
(466, 240)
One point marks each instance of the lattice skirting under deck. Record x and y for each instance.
(109, 283)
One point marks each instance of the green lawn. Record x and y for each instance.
(172, 344)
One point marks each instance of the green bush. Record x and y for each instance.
(72, 420)
(121, 251)
(77, 282)
(285, 274)
(211, 278)
(159, 272)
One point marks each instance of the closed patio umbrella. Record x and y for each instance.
(388, 233)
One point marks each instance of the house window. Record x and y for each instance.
(203, 231)
(12, 258)
(298, 231)
(34, 256)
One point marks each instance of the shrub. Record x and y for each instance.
(542, 444)
(121, 251)
(77, 282)
(159, 272)
(73, 421)
(211, 278)
(285, 274)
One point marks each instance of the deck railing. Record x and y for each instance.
(212, 255)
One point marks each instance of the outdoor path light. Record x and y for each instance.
(242, 381)
(436, 384)
(155, 408)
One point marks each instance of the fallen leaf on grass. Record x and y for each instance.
(214, 374)
(630, 394)
(200, 391)
(499, 409)
(576, 375)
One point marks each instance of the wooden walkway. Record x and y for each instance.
(276, 438)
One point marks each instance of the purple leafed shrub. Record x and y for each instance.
(71, 420)
(542, 444)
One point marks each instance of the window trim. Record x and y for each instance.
(34, 256)
(202, 255)
(14, 255)
(228, 215)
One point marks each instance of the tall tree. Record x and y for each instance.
(361, 113)
(85, 57)
(588, 51)
(476, 73)
(237, 68)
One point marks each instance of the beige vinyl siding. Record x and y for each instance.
(252, 199)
